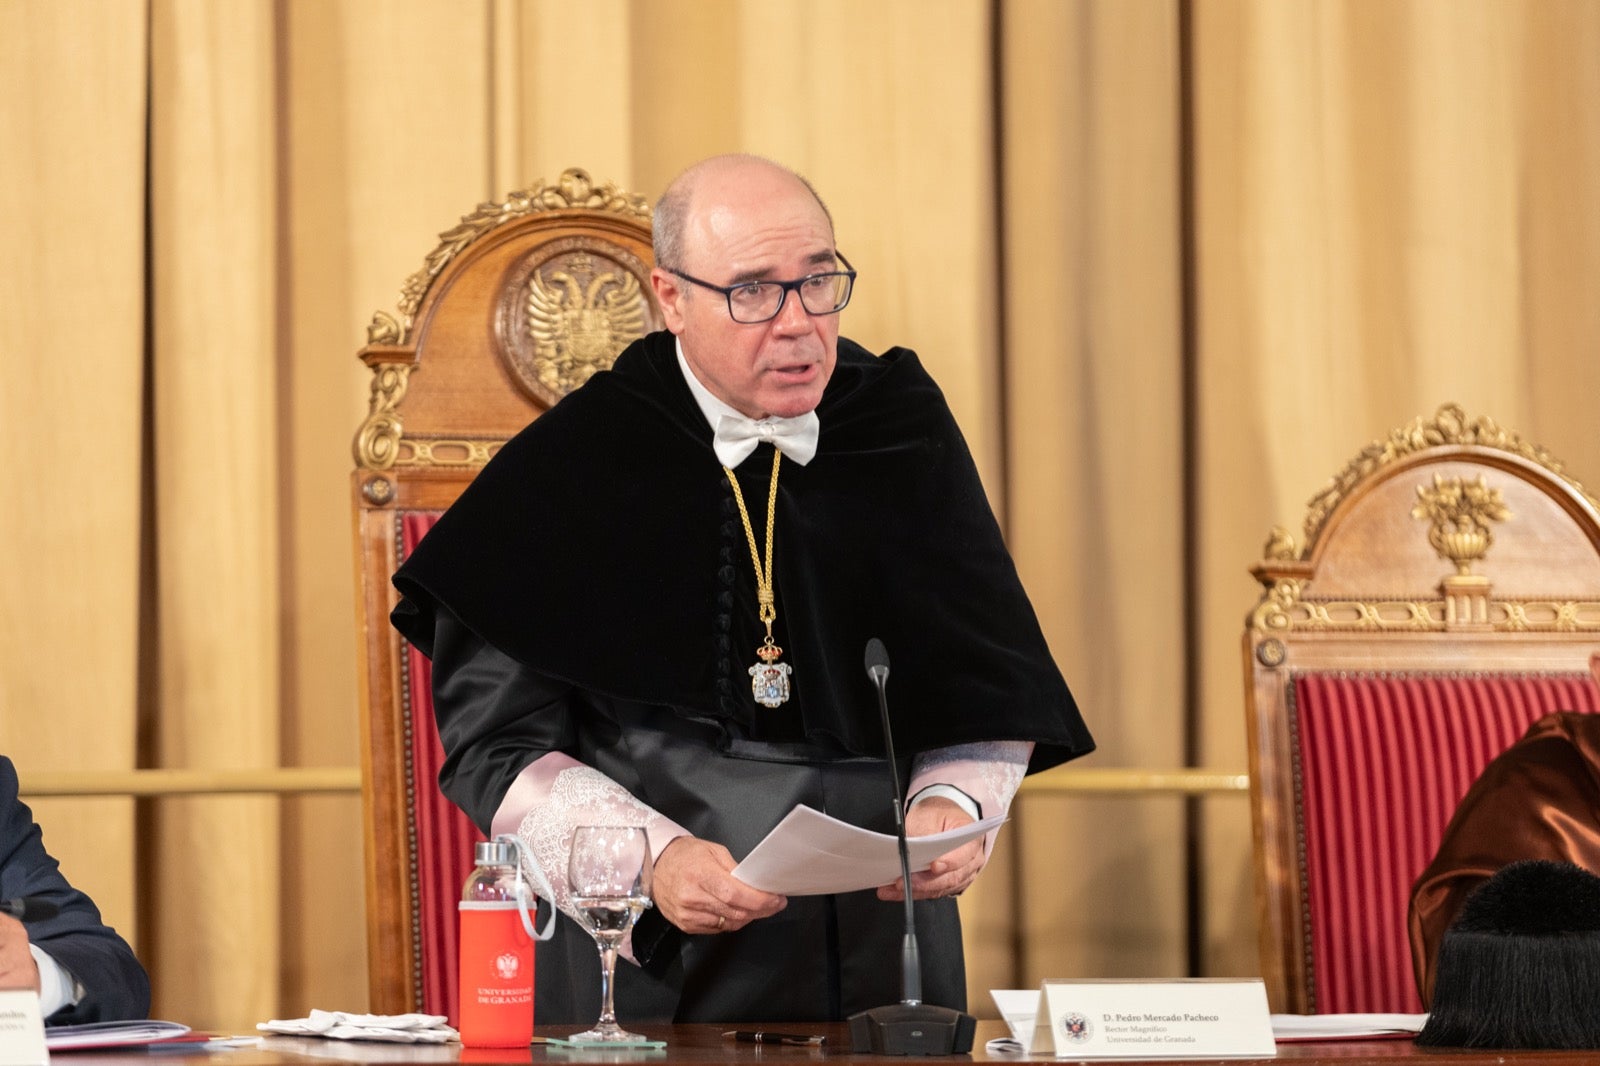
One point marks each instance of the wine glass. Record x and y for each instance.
(609, 877)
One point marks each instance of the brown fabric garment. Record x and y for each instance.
(1539, 799)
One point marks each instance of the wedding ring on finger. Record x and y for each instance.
(722, 922)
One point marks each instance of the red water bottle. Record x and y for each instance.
(496, 963)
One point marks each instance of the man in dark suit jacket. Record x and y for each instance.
(83, 970)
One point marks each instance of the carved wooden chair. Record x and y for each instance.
(1447, 595)
(519, 304)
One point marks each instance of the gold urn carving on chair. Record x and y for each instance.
(1459, 513)
(1461, 510)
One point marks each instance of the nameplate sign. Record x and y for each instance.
(1188, 1019)
(21, 1029)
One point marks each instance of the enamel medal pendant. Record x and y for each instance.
(769, 679)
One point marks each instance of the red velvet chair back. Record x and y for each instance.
(1447, 595)
(442, 836)
(520, 303)
(1382, 761)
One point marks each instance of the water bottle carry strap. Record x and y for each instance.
(526, 892)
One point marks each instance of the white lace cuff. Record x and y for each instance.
(554, 795)
(990, 772)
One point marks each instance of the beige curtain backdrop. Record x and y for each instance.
(1173, 263)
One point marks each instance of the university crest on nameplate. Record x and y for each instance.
(769, 683)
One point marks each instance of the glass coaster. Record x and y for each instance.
(607, 1045)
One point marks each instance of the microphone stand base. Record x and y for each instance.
(912, 1029)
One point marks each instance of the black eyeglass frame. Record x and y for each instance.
(727, 291)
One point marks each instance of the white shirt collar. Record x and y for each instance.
(795, 437)
(710, 405)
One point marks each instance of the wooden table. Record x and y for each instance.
(703, 1045)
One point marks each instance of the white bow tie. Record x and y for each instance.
(736, 437)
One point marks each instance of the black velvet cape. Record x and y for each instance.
(602, 547)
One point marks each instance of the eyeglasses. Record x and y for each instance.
(761, 301)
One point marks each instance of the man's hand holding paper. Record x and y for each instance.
(696, 893)
(809, 853)
(950, 873)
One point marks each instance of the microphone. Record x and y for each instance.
(29, 908)
(878, 674)
(910, 1027)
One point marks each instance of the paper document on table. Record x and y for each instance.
(118, 1034)
(810, 853)
(1345, 1026)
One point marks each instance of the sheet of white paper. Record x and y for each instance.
(810, 853)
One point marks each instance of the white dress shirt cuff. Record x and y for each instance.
(57, 987)
(988, 772)
(954, 795)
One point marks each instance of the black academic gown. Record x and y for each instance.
(115, 985)
(592, 593)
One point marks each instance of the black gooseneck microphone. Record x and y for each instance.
(910, 1027)
(29, 908)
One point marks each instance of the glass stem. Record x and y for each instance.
(608, 971)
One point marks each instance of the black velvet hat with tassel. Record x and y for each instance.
(1520, 966)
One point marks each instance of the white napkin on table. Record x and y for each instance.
(393, 1028)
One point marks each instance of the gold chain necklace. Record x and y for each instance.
(769, 679)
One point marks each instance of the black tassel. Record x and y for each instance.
(1520, 966)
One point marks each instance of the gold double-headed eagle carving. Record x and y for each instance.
(579, 318)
